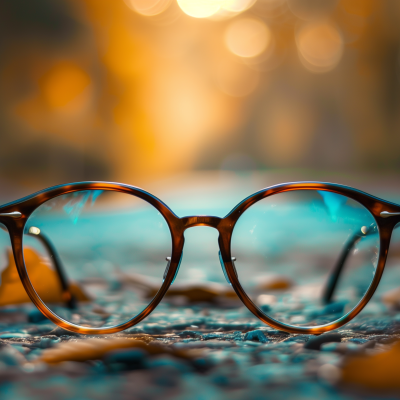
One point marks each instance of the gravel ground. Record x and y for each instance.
(227, 354)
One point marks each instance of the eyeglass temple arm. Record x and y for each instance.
(333, 279)
(60, 270)
(62, 276)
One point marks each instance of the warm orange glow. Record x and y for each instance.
(247, 37)
(148, 7)
(290, 124)
(238, 5)
(320, 47)
(362, 8)
(200, 8)
(140, 92)
(237, 79)
(312, 10)
(64, 83)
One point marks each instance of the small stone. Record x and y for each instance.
(358, 340)
(35, 316)
(14, 335)
(256, 335)
(167, 362)
(47, 342)
(298, 338)
(332, 346)
(275, 332)
(11, 357)
(188, 334)
(127, 358)
(202, 364)
(316, 342)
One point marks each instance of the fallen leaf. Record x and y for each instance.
(274, 282)
(378, 371)
(44, 279)
(193, 292)
(96, 349)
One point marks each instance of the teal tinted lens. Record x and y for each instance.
(112, 248)
(288, 245)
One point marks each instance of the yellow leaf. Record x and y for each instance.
(43, 278)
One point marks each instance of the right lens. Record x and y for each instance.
(107, 247)
(292, 246)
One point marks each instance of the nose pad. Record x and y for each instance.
(168, 259)
(224, 269)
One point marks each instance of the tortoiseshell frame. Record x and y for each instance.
(178, 226)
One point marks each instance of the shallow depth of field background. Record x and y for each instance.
(142, 91)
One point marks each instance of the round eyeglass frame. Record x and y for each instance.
(177, 226)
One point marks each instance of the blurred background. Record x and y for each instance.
(140, 91)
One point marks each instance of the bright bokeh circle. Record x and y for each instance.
(247, 37)
(320, 46)
(148, 7)
(237, 6)
(200, 8)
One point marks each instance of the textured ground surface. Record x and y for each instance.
(230, 355)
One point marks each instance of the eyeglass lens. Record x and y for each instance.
(96, 258)
(290, 248)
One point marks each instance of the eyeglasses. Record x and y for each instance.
(303, 257)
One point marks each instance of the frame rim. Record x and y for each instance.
(28, 204)
(178, 225)
(372, 203)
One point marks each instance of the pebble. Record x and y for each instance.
(342, 348)
(358, 340)
(316, 342)
(208, 344)
(168, 362)
(47, 342)
(126, 358)
(202, 364)
(256, 335)
(11, 356)
(14, 335)
(298, 338)
(189, 334)
(35, 316)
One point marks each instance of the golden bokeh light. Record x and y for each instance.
(200, 8)
(63, 84)
(291, 126)
(237, 6)
(247, 37)
(312, 9)
(362, 8)
(320, 47)
(148, 7)
(236, 79)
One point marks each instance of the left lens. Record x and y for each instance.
(111, 248)
(288, 250)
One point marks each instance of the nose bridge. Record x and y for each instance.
(200, 220)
